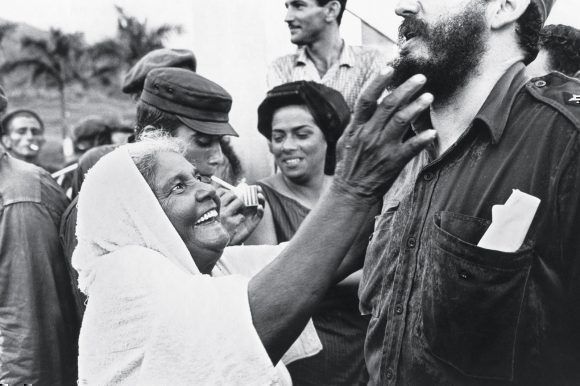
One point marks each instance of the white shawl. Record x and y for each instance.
(152, 318)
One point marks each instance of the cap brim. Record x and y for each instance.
(207, 127)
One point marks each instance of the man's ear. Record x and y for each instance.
(332, 10)
(6, 142)
(506, 12)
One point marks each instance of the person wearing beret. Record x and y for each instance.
(302, 122)
(559, 51)
(472, 275)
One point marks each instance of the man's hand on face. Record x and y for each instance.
(371, 151)
(239, 220)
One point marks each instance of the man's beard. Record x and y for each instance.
(455, 47)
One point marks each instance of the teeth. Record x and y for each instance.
(212, 214)
(292, 161)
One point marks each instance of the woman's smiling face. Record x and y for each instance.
(192, 206)
(298, 144)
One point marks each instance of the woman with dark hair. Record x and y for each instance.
(302, 122)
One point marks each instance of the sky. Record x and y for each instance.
(96, 18)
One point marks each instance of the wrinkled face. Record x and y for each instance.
(192, 206)
(444, 40)
(305, 19)
(203, 150)
(298, 144)
(24, 137)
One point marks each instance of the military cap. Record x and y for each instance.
(545, 6)
(197, 102)
(163, 57)
(90, 127)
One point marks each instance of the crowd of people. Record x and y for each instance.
(420, 228)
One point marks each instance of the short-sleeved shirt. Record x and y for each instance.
(356, 67)
(447, 312)
(38, 323)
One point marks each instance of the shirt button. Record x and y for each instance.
(540, 83)
(399, 309)
(411, 242)
(428, 176)
(464, 274)
(389, 374)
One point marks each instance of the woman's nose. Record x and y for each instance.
(289, 144)
(407, 8)
(206, 191)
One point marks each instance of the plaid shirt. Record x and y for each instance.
(355, 68)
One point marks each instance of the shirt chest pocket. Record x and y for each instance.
(472, 298)
(370, 289)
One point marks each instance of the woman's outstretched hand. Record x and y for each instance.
(371, 151)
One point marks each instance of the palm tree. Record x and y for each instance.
(56, 62)
(133, 40)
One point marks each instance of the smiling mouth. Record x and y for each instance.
(291, 161)
(208, 217)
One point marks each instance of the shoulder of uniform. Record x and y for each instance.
(559, 91)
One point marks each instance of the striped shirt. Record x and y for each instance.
(355, 68)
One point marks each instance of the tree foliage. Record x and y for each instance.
(57, 61)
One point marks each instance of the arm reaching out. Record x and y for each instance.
(371, 154)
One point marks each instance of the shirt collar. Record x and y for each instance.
(347, 56)
(497, 107)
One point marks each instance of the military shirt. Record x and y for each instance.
(447, 312)
(38, 324)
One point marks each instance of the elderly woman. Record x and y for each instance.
(302, 122)
(164, 309)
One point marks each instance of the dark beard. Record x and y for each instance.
(456, 47)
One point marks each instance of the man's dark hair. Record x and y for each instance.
(562, 43)
(342, 7)
(528, 28)
(7, 120)
(148, 115)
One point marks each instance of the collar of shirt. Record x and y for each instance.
(495, 111)
(346, 58)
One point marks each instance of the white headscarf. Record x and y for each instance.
(151, 317)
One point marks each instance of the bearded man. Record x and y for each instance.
(446, 307)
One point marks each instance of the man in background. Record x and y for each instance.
(38, 325)
(559, 51)
(322, 55)
(23, 135)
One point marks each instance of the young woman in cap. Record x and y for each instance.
(302, 122)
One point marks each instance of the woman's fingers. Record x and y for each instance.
(402, 119)
(393, 102)
(366, 104)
